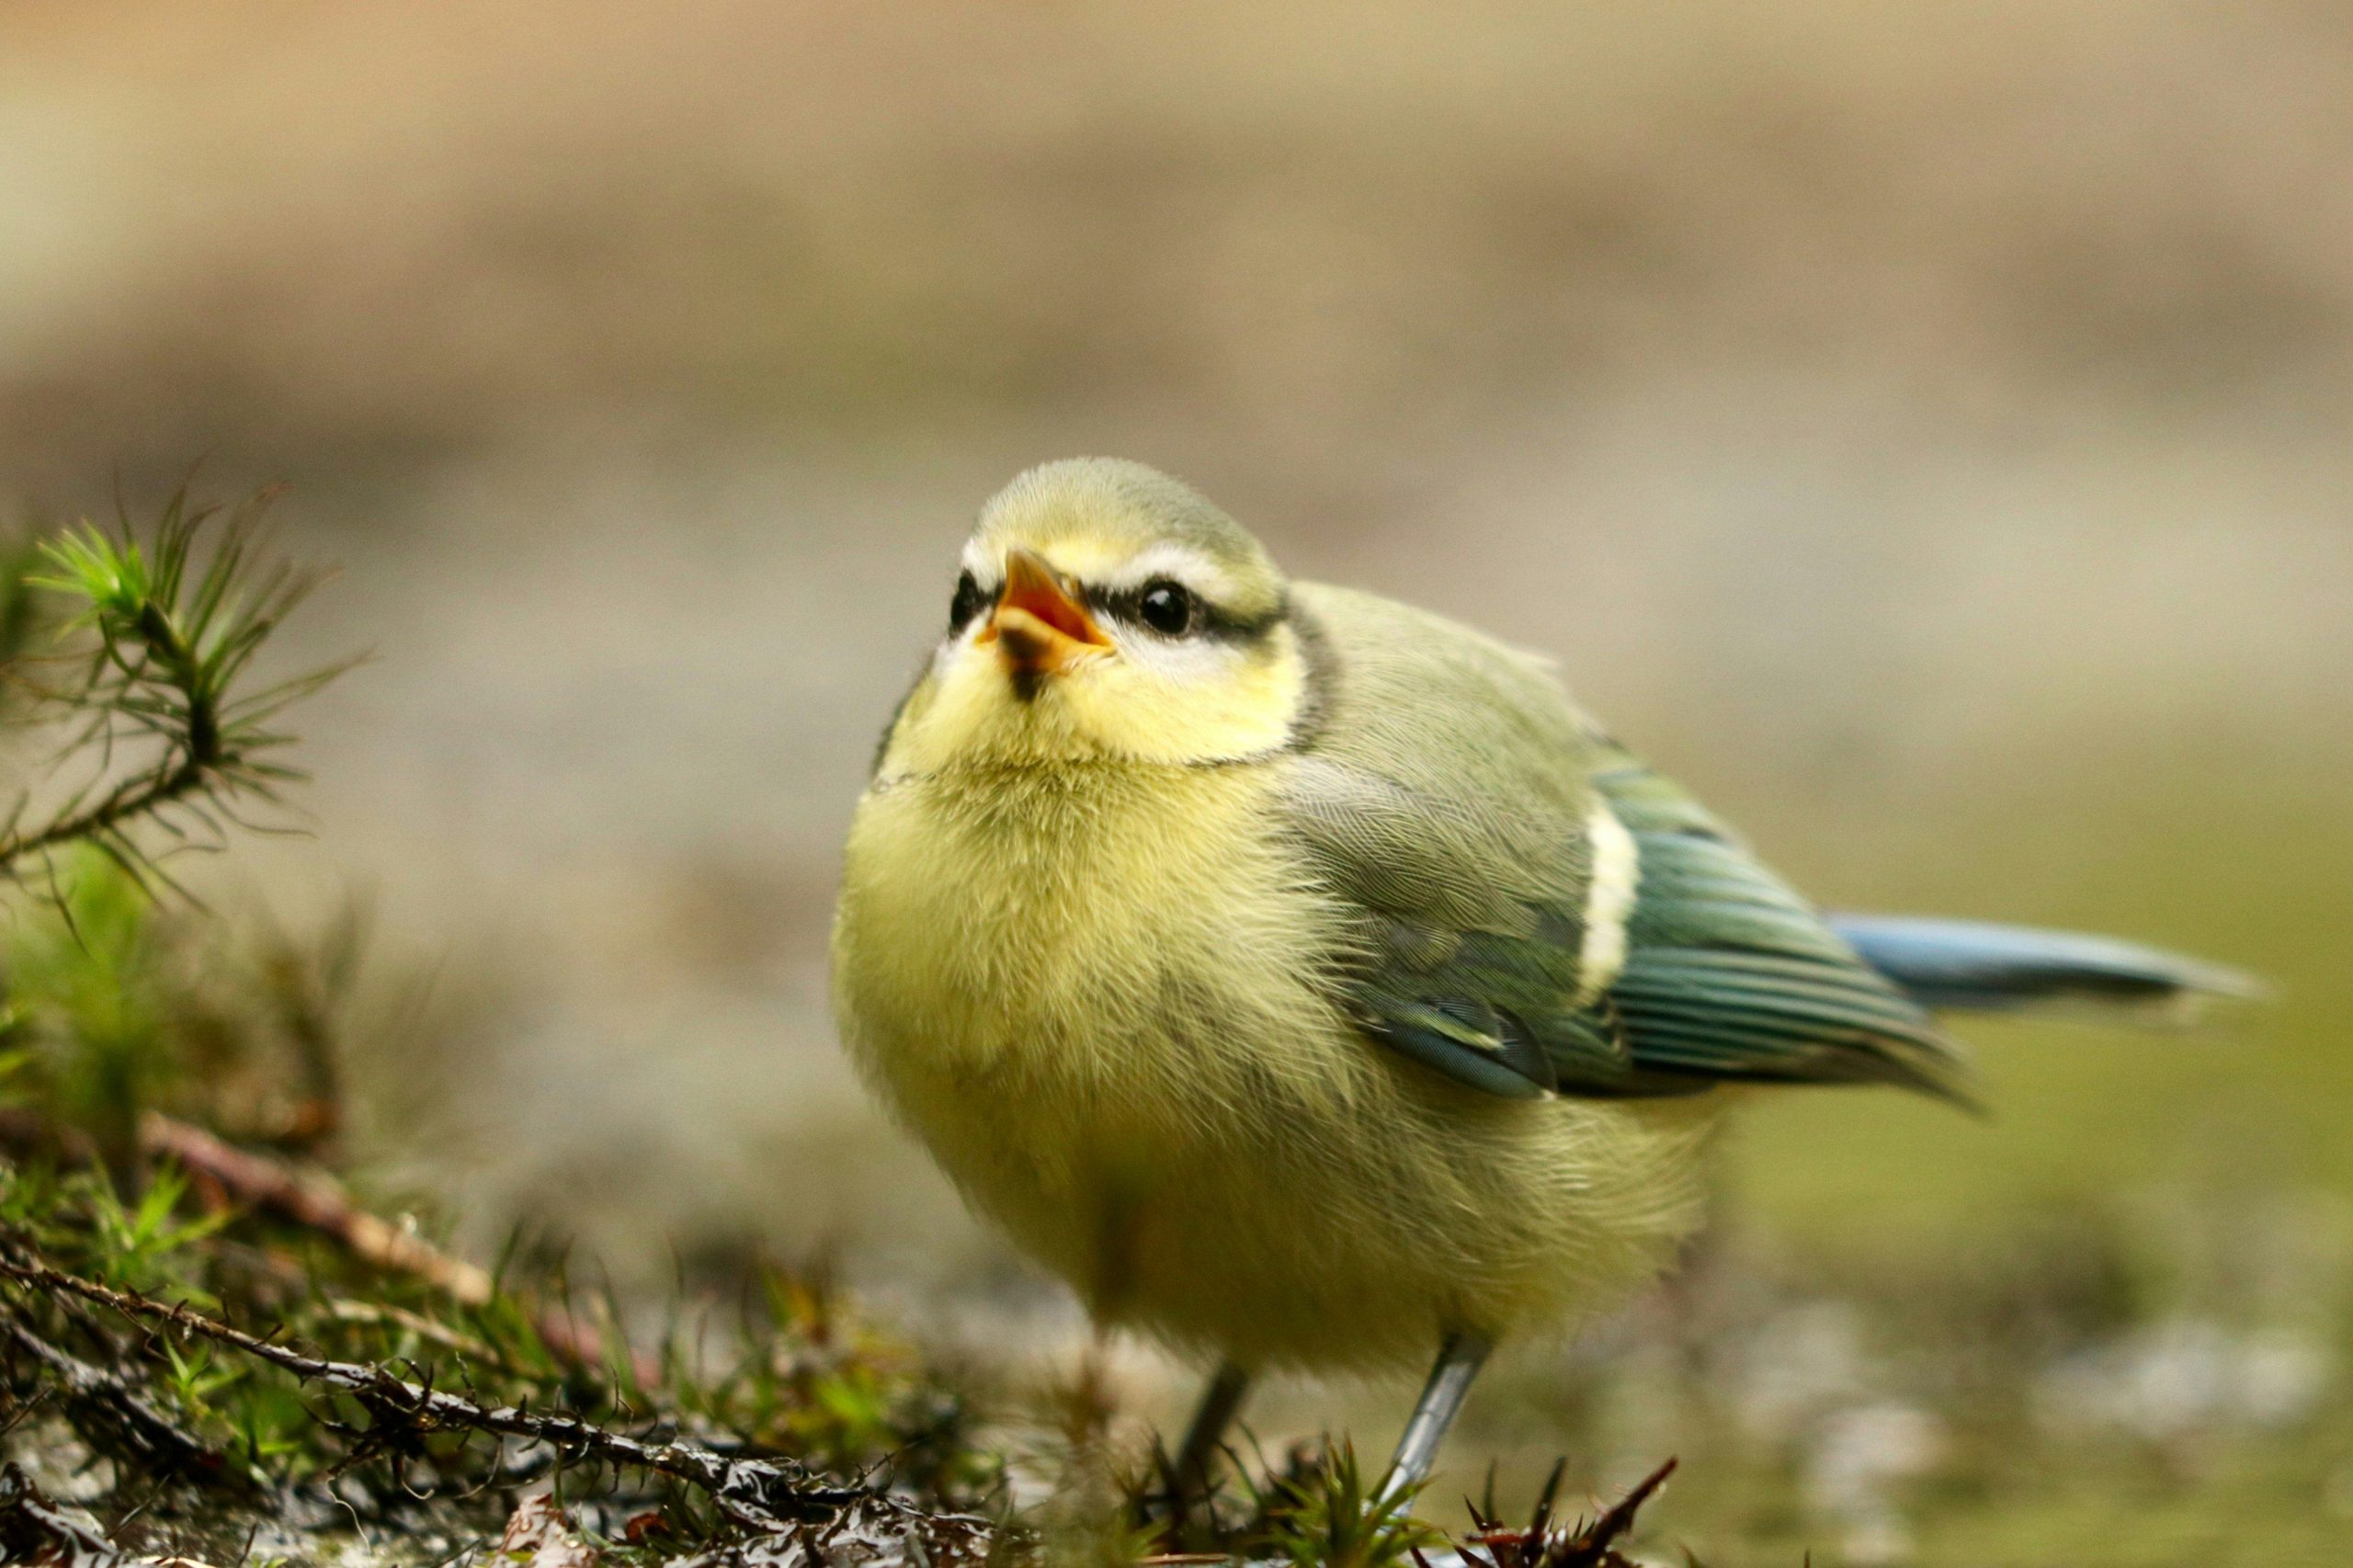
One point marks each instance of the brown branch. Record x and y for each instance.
(316, 1200)
(119, 1408)
(1596, 1539)
(308, 1196)
(767, 1494)
(312, 1199)
(1591, 1545)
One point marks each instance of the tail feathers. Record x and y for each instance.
(1976, 966)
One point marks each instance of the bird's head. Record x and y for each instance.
(1104, 611)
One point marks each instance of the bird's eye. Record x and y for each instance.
(1166, 608)
(967, 604)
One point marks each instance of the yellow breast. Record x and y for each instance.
(1089, 945)
(1093, 993)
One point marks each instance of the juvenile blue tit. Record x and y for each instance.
(1308, 981)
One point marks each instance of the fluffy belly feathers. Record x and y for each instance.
(1094, 998)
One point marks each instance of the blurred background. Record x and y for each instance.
(1922, 429)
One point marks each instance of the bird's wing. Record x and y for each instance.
(1730, 974)
(1529, 909)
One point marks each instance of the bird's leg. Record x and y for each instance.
(1221, 1402)
(1459, 1360)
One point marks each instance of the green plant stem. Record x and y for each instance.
(199, 746)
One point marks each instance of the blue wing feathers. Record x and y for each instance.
(1731, 975)
(1980, 966)
(1728, 974)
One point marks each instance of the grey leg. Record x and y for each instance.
(1221, 1402)
(1459, 1360)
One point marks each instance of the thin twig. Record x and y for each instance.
(128, 800)
(767, 1494)
(121, 1405)
(312, 1199)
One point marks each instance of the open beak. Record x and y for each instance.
(1038, 624)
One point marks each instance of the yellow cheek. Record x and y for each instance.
(968, 712)
(1245, 710)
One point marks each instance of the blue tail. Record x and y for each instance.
(1976, 966)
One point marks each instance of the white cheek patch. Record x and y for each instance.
(1177, 659)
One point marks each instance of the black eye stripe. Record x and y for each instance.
(969, 600)
(1127, 604)
(1208, 619)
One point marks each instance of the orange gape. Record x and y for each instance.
(1039, 625)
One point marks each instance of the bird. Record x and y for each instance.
(1311, 983)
